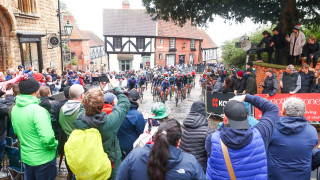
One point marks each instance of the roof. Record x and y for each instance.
(30, 33)
(170, 29)
(77, 34)
(128, 22)
(94, 40)
(207, 42)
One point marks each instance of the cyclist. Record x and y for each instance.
(178, 84)
(155, 81)
(193, 73)
(190, 80)
(132, 83)
(185, 83)
(171, 82)
(160, 82)
(165, 86)
(142, 82)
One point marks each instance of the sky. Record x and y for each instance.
(88, 14)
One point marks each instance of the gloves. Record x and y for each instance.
(117, 91)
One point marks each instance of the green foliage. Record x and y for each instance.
(75, 61)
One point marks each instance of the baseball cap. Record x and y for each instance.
(134, 95)
(236, 114)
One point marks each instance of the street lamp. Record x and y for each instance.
(68, 28)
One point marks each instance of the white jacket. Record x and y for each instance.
(301, 40)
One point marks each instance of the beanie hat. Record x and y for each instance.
(134, 95)
(109, 98)
(199, 107)
(66, 92)
(297, 27)
(28, 85)
(240, 73)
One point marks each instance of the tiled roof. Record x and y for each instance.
(128, 22)
(77, 34)
(94, 40)
(207, 42)
(169, 29)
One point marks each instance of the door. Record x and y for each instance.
(170, 59)
(182, 59)
(145, 59)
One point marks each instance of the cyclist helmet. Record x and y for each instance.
(193, 71)
(189, 74)
(178, 75)
(132, 77)
(172, 75)
(156, 75)
(162, 76)
(167, 79)
(142, 74)
(204, 75)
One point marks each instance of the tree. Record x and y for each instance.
(285, 13)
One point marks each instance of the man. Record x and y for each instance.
(291, 145)
(54, 74)
(4, 118)
(51, 105)
(250, 65)
(132, 83)
(70, 111)
(278, 40)
(32, 125)
(290, 81)
(251, 86)
(108, 102)
(165, 87)
(297, 40)
(267, 48)
(246, 146)
(307, 77)
(53, 85)
(240, 83)
(133, 125)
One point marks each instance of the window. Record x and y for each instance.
(192, 44)
(191, 58)
(211, 53)
(161, 41)
(160, 55)
(140, 43)
(170, 59)
(117, 42)
(27, 6)
(30, 55)
(172, 43)
(125, 65)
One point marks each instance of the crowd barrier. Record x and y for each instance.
(215, 103)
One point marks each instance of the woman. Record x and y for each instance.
(316, 83)
(297, 40)
(108, 125)
(270, 84)
(163, 160)
(227, 85)
(312, 51)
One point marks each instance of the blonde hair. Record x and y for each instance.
(93, 101)
(313, 37)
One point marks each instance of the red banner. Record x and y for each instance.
(312, 101)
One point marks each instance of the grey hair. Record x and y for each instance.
(76, 91)
(10, 71)
(294, 107)
(290, 66)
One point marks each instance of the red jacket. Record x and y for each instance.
(107, 108)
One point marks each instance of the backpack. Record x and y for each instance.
(85, 155)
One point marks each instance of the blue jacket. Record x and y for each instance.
(240, 139)
(180, 166)
(131, 128)
(290, 149)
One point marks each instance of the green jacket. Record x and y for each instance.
(32, 124)
(68, 114)
(108, 126)
(251, 87)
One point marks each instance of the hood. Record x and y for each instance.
(235, 139)
(96, 120)
(195, 120)
(71, 107)
(174, 159)
(134, 105)
(291, 125)
(199, 107)
(25, 100)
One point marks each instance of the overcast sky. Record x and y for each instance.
(88, 14)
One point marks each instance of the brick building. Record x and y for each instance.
(25, 26)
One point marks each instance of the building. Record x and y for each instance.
(25, 26)
(98, 57)
(208, 48)
(177, 45)
(129, 37)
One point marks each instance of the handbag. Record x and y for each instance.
(228, 161)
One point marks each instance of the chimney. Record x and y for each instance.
(125, 4)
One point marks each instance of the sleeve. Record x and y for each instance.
(298, 84)
(270, 114)
(44, 129)
(140, 124)
(317, 47)
(280, 80)
(118, 114)
(243, 84)
(208, 144)
(288, 38)
(303, 40)
(260, 43)
(198, 171)
(5, 107)
(249, 86)
(123, 172)
(275, 87)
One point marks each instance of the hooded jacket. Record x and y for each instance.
(32, 124)
(195, 131)
(251, 86)
(51, 106)
(131, 128)
(290, 149)
(240, 85)
(315, 86)
(296, 44)
(4, 115)
(271, 86)
(108, 126)
(180, 165)
(68, 114)
(107, 108)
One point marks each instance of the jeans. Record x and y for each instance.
(47, 171)
(315, 59)
(2, 148)
(268, 50)
(278, 56)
